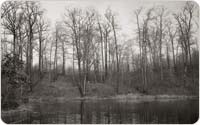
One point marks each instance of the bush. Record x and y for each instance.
(13, 77)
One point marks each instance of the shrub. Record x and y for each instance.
(13, 77)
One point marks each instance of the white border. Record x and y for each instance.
(1, 1)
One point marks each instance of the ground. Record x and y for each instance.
(60, 88)
(63, 89)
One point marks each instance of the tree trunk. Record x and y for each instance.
(14, 43)
(55, 58)
(40, 54)
(117, 59)
(50, 72)
(168, 61)
(30, 56)
(63, 48)
(73, 62)
(160, 59)
(106, 63)
(101, 38)
(174, 62)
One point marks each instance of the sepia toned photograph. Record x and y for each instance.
(99, 61)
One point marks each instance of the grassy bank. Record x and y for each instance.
(64, 90)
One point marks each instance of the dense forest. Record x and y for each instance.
(87, 47)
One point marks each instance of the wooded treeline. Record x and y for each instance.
(162, 54)
(24, 33)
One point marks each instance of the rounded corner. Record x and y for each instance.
(197, 121)
(2, 121)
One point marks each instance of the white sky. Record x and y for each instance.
(124, 8)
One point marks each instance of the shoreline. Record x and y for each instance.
(123, 97)
(140, 96)
(135, 97)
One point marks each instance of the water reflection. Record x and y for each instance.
(112, 111)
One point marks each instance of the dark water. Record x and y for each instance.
(112, 111)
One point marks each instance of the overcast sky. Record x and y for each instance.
(124, 8)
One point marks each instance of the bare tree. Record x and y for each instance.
(172, 35)
(11, 19)
(42, 27)
(161, 14)
(184, 20)
(74, 22)
(32, 11)
(144, 44)
(55, 64)
(137, 13)
(63, 54)
(106, 32)
(111, 17)
(101, 41)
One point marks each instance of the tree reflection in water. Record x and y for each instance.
(113, 111)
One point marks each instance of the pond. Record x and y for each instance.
(116, 111)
